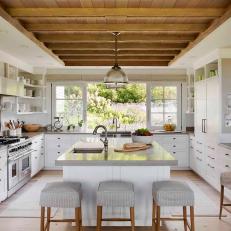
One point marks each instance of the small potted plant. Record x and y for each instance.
(80, 125)
(142, 135)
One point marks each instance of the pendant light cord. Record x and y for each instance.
(116, 47)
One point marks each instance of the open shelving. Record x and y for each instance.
(34, 99)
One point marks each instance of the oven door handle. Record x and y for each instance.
(28, 152)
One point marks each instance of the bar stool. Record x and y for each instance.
(60, 195)
(115, 194)
(172, 193)
(225, 180)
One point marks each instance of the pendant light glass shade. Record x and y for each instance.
(116, 77)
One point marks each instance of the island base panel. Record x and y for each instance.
(142, 178)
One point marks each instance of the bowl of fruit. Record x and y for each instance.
(142, 135)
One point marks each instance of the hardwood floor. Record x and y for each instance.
(202, 223)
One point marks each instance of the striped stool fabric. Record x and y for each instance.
(225, 180)
(116, 194)
(61, 195)
(172, 193)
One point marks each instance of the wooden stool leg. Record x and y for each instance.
(132, 217)
(42, 219)
(153, 215)
(185, 217)
(221, 200)
(48, 218)
(192, 218)
(99, 217)
(158, 218)
(77, 219)
(80, 217)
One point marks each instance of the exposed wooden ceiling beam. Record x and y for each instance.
(111, 63)
(110, 46)
(29, 35)
(136, 12)
(107, 57)
(215, 24)
(36, 27)
(109, 37)
(120, 52)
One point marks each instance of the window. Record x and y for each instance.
(165, 105)
(135, 106)
(126, 105)
(69, 103)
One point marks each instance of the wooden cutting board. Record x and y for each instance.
(133, 149)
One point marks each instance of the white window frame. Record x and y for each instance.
(82, 85)
(150, 85)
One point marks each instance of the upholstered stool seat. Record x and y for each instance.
(115, 194)
(225, 180)
(61, 195)
(172, 193)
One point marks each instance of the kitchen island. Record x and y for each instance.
(141, 168)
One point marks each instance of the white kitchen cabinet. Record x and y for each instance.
(192, 156)
(3, 174)
(57, 144)
(38, 154)
(177, 145)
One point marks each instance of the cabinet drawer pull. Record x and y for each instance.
(191, 147)
(226, 154)
(58, 146)
(198, 151)
(36, 157)
(58, 152)
(199, 142)
(212, 158)
(199, 159)
(58, 138)
(174, 152)
(174, 138)
(227, 166)
(174, 146)
(211, 148)
(211, 166)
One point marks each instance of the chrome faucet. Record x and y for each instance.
(115, 122)
(105, 141)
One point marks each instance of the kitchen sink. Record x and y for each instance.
(87, 150)
(116, 134)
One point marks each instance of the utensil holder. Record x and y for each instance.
(13, 132)
(18, 131)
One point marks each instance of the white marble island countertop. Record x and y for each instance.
(154, 156)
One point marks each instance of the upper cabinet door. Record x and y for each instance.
(213, 107)
(200, 106)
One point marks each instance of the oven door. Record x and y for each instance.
(24, 166)
(13, 173)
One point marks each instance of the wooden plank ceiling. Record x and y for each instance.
(152, 32)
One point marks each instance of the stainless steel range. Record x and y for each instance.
(19, 165)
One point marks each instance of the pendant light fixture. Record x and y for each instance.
(116, 77)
